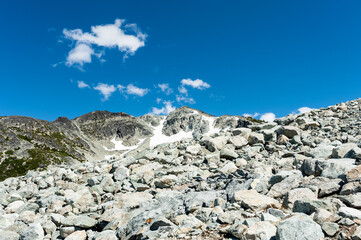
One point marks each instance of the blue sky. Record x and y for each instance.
(222, 57)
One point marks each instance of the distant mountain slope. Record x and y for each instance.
(27, 143)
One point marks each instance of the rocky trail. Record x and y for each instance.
(193, 176)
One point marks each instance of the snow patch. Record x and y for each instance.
(160, 138)
(108, 157)
(211, 124)
(118, 146)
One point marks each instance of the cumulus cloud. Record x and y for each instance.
(184, 99)
(268, 117)
(133, 90)
(80, 54)
(198, 83)
(183, 90)
(82, 84)
(165, 88)
(158, 100)
(105, 90)
(304, 109)
(251, 115)
(127, 39)
(166, 109)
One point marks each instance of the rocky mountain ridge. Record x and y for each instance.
(27, 143)
(296, 178)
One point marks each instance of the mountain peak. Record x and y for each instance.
(101, 115)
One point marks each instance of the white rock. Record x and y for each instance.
(229, 168)
(8, 220)
(12, 207)
(78, 235)
(132, 200)
(238, 141)
(193, 149)
(349, 212)
(81, 199)
(255, 201)
(261, 231)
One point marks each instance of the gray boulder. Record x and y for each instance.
(228, 153)
(256, 138)
(349, 212)
(336, 168)
(300, 227)
(121, 173)
(194, 200)
(9, 235)
(343, 150)
(310, 206)
(33, 232)
(321, 151)
(298, 194)
(330, 228)
(289, 131)
(280, 189)
(353, 200)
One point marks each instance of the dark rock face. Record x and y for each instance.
(124, 128)
(233, 121)
(188, 119)
(100, 115)
(185, 119)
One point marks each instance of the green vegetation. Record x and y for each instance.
(38, 159)
(26, 138)
(49, 147)
(9, 152)
(11, 167)
(251, 119)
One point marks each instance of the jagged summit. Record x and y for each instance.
(188, 109)
(100, 115)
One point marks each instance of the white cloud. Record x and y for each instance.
(268, 117)
(168, 107)
(199, 84)
(133, 90)
(165, 88)
(82, 84)
(251, 115)
(106, 36)
(183, 90)
(158, 100)
(79, 55)
(304, 109)
(184, 99)
(105, 90)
